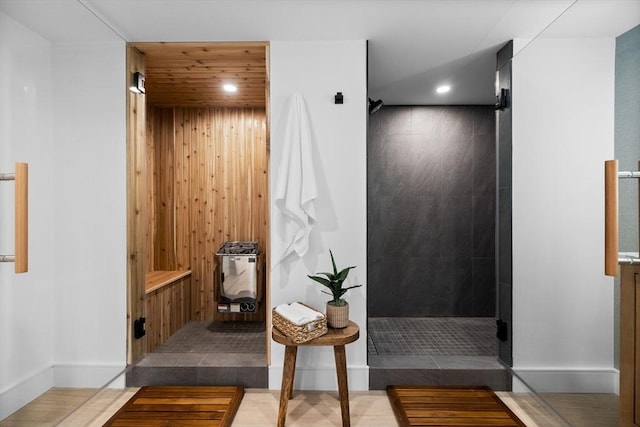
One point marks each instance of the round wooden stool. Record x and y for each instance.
(337, 338)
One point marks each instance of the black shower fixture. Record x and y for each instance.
(502, 99)
(375, 105)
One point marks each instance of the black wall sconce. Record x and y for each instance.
(137, 83)
(339, 98)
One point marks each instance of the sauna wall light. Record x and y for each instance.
(443, 89)
(137, 83)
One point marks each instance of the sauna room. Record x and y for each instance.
(205, 202)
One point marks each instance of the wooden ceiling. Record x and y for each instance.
(192, 74)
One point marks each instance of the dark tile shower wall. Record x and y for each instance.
(431, 211)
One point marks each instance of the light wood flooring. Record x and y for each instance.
(259, 408)
(586, 409)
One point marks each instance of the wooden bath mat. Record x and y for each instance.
(180, 406)
(449, 406)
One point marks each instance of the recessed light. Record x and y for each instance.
(443, 89)
(228, 87)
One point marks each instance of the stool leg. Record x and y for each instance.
(286, 390)
(292, 377)
(343, 388)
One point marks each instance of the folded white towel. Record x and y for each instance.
(310, 313)
(291, 314)
(297, 313)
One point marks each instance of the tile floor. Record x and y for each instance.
(407, 336)
(432, 336)
(207, 353)
(217, 337)
(434, 351)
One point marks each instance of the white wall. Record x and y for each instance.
(318, 70)
(563, 105)
(62, 111)
(89, 210)
(26, 310)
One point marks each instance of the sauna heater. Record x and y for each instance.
(240, 267)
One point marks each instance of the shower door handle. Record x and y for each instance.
(611, 217)
(612, 257)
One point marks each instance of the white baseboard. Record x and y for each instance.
(19, 395)
(570, 380)
(323, 378)
(86, 376)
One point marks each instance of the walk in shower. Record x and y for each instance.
(431, 239)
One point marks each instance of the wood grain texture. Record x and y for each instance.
(259, 407)
(136, 206)
(210, 186)
(22, 218)
(192, 74)
(168, 405)
(636, 346)
(160, 278)
(265, 183)
(168, 305)
(161, 243)
(449, 406)
(611, 217)
(343, 388)
(581, 409)
(334, 337)
(288, 375)
(629, 339)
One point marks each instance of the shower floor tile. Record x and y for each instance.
(432, 336)
(207, 353)
(209, 337)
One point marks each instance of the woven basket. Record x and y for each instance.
(300, 333)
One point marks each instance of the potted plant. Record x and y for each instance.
(337, 308)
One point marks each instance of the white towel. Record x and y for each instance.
(310, 313)
(296, 183)
(297, 313)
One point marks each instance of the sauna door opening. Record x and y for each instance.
(198, 158)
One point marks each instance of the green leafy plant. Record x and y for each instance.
(334, 282)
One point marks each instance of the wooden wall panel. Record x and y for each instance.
(219, 189)
(136, 207)
(150, 201)
(162, 203)
(192, 74)
(629, 345)
(167, 310)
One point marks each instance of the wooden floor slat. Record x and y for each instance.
(172, 415)
(180, 406)
(163, 423)
(416, 406)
